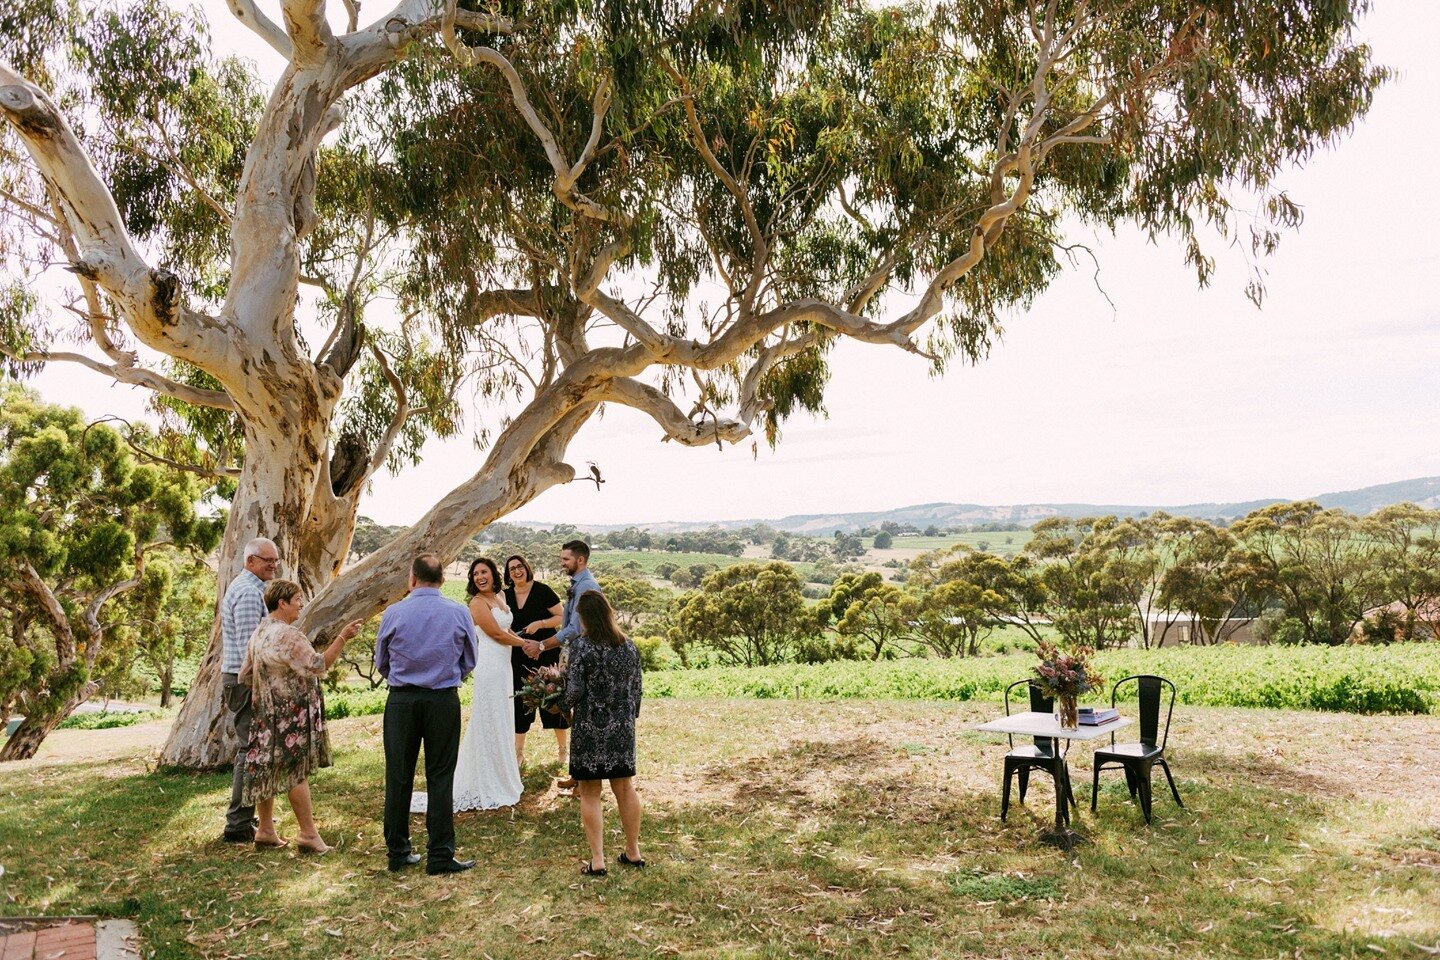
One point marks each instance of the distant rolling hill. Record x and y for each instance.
(1424, 491)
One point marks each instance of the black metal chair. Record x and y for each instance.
(1139, 760)
(1044, 755)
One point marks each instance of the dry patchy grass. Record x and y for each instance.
(777, 829)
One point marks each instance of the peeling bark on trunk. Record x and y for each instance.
(325, 538)
(272, 500)
(202, 737)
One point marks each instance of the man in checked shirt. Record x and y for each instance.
(240, 613)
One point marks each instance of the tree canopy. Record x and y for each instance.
(78, 519)
(671, 206)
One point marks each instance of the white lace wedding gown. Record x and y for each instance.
(486, 775)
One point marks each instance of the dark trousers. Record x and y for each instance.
(239, 819)
(413, 717)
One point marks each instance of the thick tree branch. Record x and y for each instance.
(309, 31)
(527, 459)
(150, 299)
(490, 304)
(248, 12)
(373, 48)
(50, 606)
(678, 427)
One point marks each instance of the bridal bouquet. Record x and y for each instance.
(544, 689)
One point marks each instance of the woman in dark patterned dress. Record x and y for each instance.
(288, 740)
(604, 690)
(538, 614)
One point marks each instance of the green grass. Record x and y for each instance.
(776, 830)
(995, 541)
(649, 560)
(104, 720)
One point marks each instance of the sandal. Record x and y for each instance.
(271, 844)
(321, 850)
(590, 871)
(637, 864)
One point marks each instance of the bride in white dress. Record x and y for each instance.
(487, 775)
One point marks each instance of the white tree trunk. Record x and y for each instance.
(271, 500)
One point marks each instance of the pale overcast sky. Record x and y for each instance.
(1176, 395)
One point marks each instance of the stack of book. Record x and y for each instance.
(1094, 716)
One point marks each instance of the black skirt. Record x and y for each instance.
(613, 773)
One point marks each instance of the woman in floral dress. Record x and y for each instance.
(287, 733)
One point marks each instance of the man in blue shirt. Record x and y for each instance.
(425, 649)
(240, 613)
(575, 561)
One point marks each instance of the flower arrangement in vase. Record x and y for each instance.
(1066, 675)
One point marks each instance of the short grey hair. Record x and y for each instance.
(252, 549)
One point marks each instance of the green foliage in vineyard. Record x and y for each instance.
(1399, 678)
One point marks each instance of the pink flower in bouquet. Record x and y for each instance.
(1066, 673)
(544, 689)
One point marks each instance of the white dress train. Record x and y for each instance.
(486, 774)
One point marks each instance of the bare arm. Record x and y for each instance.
(337, 646)
(553, 622)
(484, 618)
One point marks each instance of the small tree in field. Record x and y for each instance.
(78, 519)
(673, 206)
(1407, 539)
(879, 617)
(1323, 568)
(749, 615)
(1089, 603)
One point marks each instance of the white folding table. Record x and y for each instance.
(1030, 724)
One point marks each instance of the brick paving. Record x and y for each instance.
(61, 941)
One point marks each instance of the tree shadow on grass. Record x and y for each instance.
(842, 846)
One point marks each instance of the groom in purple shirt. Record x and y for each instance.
(425, 649)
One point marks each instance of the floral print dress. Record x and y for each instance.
(603, 686)
(287, 730)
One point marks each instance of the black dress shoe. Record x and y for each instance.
(448, 866)
(241, 836)
(409, 860)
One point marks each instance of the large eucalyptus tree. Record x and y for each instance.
(673, 206)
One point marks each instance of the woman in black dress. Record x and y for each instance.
(604, 689)
(538, 613)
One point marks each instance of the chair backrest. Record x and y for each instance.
(1151, 690)
(1039, 703)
